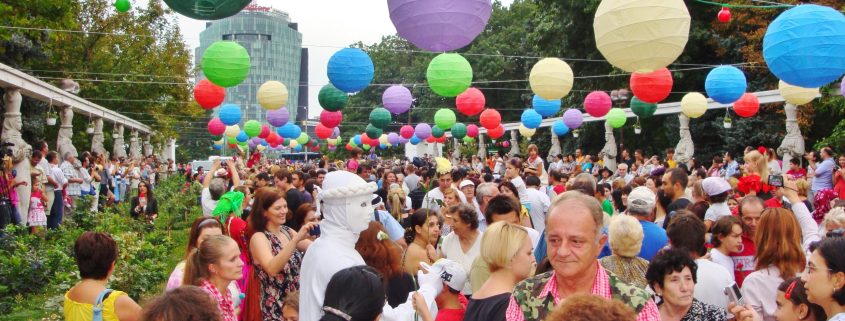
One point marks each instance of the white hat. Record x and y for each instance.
(642, 200)
(450, 272)
(715, 186)
(343, 184)
(465, 183)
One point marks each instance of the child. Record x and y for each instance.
(37, 217)
(451, 304)
(793, 304)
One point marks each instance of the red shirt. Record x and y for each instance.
(800, 173)
(453, 314)
(744, 259)
(773, 202)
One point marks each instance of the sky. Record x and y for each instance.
(326, 26)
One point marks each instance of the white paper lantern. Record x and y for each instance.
(693, 105)
(797, 95)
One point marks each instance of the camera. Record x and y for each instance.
(776, 180)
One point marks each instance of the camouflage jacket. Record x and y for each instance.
(527, 295)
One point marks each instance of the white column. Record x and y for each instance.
(555, 149)
(685, 148)
(792, 145)
(148, 147)
(456, 152)
(482, 147)
(118, 149)
(514, 143)
(608, 153)
(170, 150)
(97, 138)
(21, 151)
(134, 145)
(64, 143)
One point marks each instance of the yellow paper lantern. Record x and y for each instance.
(293, 143)
(232, 131)
(526, 132)
(383, 139)
(272, 95)
(694, 105)
(551, 78)
(260, 148)
(641, 35)
(797, 95)
(219, 142)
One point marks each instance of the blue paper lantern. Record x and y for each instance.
(531, 119)
(350, 70)
(382, 146)
(217, 146)
(289, 130)
(357, 139)
(805, 46)
(414, 140)
(298, 148)
(230, 114)
(242, 137)
(559, 128)
(725, 84)
(545, 107)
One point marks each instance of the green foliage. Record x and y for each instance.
(37, 269)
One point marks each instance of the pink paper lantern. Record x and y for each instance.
(470, 102)
(472, 130)
(265, 131)
(331, 119)
(397, 99)
(406, 131)
(597, 103)
(216, 127)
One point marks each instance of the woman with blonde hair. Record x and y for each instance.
(755, 180)
(213, 266)
(625, 235)
(399, 202)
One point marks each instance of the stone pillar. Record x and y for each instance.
(456, 152)
(482, 147)
(792, 145)
(21, 151)
(685, 148)
(555, 149)
(608, 153)
(118, 150)
(514, 143)
(134, 145)
(64, 144)
(97, 138)
(148, 147)
(170, 149)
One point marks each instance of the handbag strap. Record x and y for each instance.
(98, 305)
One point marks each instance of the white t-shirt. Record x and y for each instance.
(538, 205)
(451, 249)
(716, 211)
(725, 261)
(712, 279)
(208, 204)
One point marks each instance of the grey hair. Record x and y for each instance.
(217, 188)
(483, 190)
(835, 216)
(625, 235)
(588, 202)
(584, 183)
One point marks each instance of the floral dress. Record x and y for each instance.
(275, 288)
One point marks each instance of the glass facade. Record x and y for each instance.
(275, 49)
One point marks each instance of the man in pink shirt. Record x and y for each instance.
(574, 238)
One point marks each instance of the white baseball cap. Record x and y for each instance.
(450, 272)
(466, 183)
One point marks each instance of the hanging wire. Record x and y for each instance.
(770, 5)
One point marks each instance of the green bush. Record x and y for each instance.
(36, 271)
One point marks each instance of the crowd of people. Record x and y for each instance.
(503, 238)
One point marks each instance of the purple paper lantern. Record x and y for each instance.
(403, 140)
(439, 25)
(278, 117)
(422, 131)
(573, 118)
(393, 138)
(397, 99)
(335, 133)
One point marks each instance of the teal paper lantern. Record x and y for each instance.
(459, 130)
(373, 131)
(437, 132)
(225, 63)
(444, 118)
(642, 109)
(207, 9)
(350, 70)
(616, 117)
(252, 128)
(303, 139)
(449, 74)
(380, 118)
(331, 98)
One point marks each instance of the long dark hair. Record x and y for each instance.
(354, 294)
(417, 219)
(149, 190)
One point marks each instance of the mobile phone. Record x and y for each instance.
(315, 231)
(734, 295)
(776, 180)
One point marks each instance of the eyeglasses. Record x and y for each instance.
(812, 269)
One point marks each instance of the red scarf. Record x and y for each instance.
(227, 308)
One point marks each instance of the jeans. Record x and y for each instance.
(56, 211)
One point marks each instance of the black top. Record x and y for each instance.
(398, 289)
(679, 204)
(294, 199)
(152, 207)
(489, 309)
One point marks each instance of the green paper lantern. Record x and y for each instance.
(122, 5)
(331, 98)
(449, 74)
(231, 140)
(225, 63)
(642, 109)
(373, 131)
(380, 118)
(303, 139)
(444, 118)
(468, 140)
(365, 147)
(252, 128)
(437, 132)
(616, 117)
(459, 130)
(207, 9)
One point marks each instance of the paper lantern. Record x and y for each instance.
(459, 130)
(531, 118)
(725, 84)
(242, 137)
(748, 105)
(303, 139)
(506, 144)
(225, 63)
(380, 118)
(597, 103)
(415, 140)
(216, 127)
(335, 132)
(406, 131)
(278, 117)
(693, 105)
(431, 139)
(322, 131)
(642, 109)
(437, 132)
(490, 118)
(472, 130)
(292, 143)
(444, 118)
(331, 119)
(422, 131)
(449, 74)
(122, 5)
(287, 142)
(797, 95)
(397, 99)
(470, 102)
(468, 140)
(652, 87)
(357, 139)
(350, 70)
(616, 117)
(230, 114)
(383, 139)
(442, 139)
(641, 35)
(265, 131)
(496, 132)
(272, 95)
(545, 107)
(724, 15)
(252, 128)
(331, 98)
(439, 25)
(805, 46)
(207, 9)
(559, 128)
(232, 141)
(260, 148)
(373, 131)
(527, 132)
(573, 118)
(289, 130)
(217, 147)
(393, 138)
(208, 95)
(365, 147)
(551, 78)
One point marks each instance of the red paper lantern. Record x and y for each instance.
(496, 132)
(322, 131)
(265, 131)
(431, 139)
(366, 140)
(216, 127)
(406, 131)
(232, 145)
(470, 102)
(331, 119)
(724, 15)
(472, 130)
(209, 95)
(598, 103)
(349, 147)
(490, 118)
(748, 105)
(652, 87)
(442, 139)
(273, 139)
